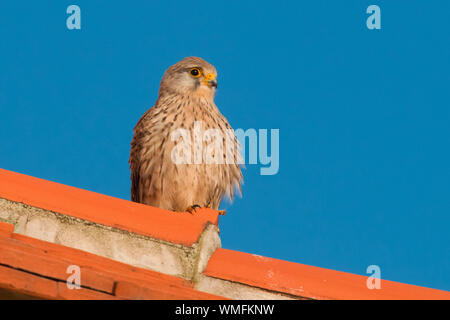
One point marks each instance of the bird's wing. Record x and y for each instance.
(135, 160)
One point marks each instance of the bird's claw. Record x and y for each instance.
(221, 212)
(192, 209)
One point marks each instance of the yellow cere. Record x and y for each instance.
(209, 76)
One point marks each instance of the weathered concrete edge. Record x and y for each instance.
(113, 243)
(239, 291)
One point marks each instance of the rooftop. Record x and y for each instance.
(126, 250)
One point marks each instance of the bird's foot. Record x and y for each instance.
(192, 209)
(221, 212)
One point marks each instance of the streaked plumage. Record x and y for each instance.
(156, 179)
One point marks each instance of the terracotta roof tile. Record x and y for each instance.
(307, 281)
(38, 268)
(180, 227)
(6, 229)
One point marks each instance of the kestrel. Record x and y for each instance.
(186, 99)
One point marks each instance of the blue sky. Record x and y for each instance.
(363, 116)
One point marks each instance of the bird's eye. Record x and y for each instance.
(195, 72)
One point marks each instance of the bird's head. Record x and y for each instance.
(190, 76)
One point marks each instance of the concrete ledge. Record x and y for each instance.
(238, 291)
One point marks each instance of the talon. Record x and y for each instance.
(191, 209)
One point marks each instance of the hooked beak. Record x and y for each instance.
(210, 80)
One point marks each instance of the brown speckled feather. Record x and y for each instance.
(156, 179)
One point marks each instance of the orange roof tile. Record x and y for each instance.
(39, 269)
(175, 227)
(307, 281)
